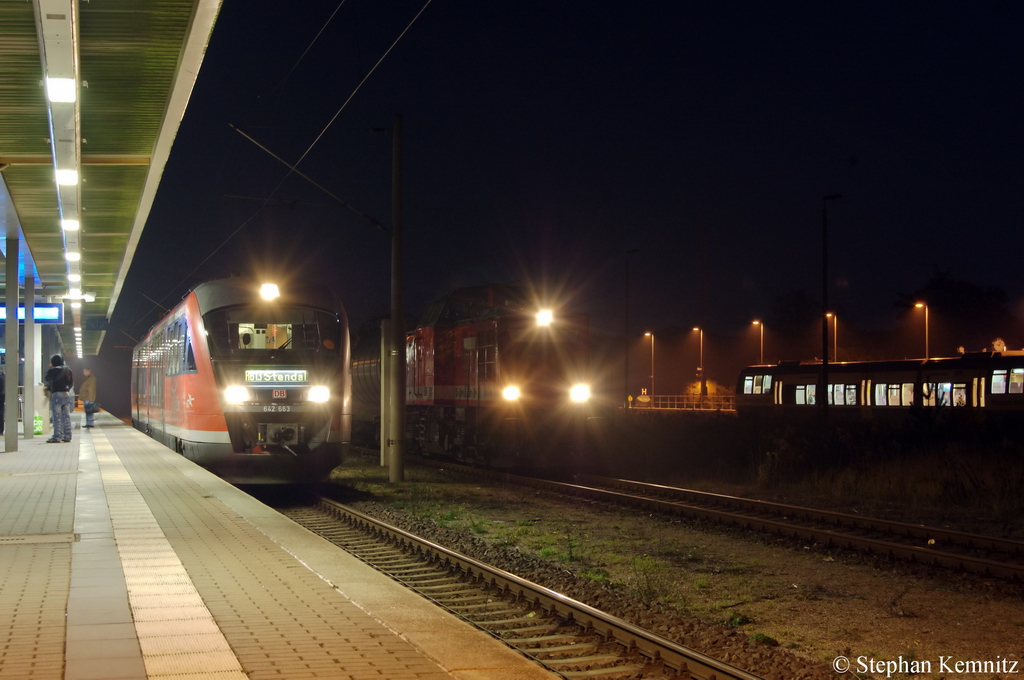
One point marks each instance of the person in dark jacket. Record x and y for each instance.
(87, 391)
(59, 381)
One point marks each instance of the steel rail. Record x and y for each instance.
(917, 531)
(652, 646)
(927, 556)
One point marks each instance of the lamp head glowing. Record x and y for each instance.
(919, 304)
(269, 291)
(545, 317)
(511, 393)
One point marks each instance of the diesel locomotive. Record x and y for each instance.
(493, 378)
(249, 380)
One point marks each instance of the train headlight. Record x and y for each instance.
(236, 394)
(580, 393)
(320, 393)
(545, 317)
(511, 393)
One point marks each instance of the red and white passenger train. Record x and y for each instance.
(492, 378)
(978, 383)
(249, 381)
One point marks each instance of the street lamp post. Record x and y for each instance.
(822, 397)
(835, 335)
(761, 328)
(700, 360)
(625, 334)
(652, 366)
(926, 348)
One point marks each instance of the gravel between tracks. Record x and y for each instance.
(777, 609)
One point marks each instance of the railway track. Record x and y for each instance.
(986, 555)
(568, 637)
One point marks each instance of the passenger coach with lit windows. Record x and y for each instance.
(981, 382)
(249, 381)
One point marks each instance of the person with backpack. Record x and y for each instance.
(59, 381)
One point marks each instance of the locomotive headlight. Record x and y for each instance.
(545, 317)
(320, 393)
(236, 394)
(511, 393)
(580, 393)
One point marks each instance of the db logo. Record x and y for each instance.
(280, 394)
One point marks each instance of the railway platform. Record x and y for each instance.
(121, 559)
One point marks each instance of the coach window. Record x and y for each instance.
(748, 384)
(908, 394)
(1016, 380)
(893, 394)
(880, 392)
(960, 394)
(851, 395)
(805, 394)
(928, 394)
(999, 382)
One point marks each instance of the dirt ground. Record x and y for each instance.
(817, 603)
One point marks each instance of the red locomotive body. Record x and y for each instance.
(257, 390)
(492, 378)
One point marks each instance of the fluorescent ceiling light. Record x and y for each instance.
(73, 257)
(70, 225)
(75, 292)
(67, 177)
(76, 305)
(61, 89)
(74, 277)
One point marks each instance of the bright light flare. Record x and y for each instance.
(580, 393)
(269, 291)
(511, 393)
(319, 393)
(545, 317)
(67, 177)
(236, 394)
(61, 89)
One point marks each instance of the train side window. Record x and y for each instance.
(757, 384)
(928, 394)
(894, 395)
(851, 395)
(1016, 380)
(942, 391)
(999, 381)
(767, 384)
(908, 394)
(960, 394)
(880, 392)
(805, 394)
(487, 354)
(748, 384)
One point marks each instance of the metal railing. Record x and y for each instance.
(688, 402)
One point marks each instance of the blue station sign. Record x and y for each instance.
(42, 312)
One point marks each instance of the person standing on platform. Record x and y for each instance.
(87, 391)
(59, 381)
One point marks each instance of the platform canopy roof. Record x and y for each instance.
(98, 88)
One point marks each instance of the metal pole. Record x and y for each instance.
(762, 342)
(396, 437)
(11, 346)
(652, 369)
(626, 336)
(386, 336)
(703, 383)
(823, 396)
(28, 410)
(927, 354)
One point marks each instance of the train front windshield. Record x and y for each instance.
(241, 330)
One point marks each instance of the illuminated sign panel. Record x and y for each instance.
(42, 312)
(276, 376)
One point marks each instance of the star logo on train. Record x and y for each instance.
(188, 401)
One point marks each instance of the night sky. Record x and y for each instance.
(543, 140)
